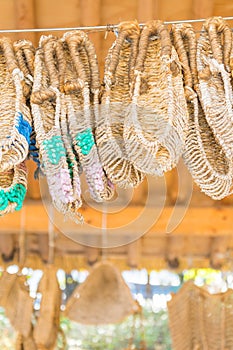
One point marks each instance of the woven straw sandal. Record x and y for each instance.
(48, 323)
(115, 102)
(15, 117)
(46, 107)
(106, 296)
(82, 87)
(206, 160)
(155, 127)
(213, 60)
(13, 187)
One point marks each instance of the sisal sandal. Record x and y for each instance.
(115, 102)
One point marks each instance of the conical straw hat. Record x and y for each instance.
(102, 299)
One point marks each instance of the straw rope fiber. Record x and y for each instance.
(116, 97)
(200, 320)
(156, 123)
(205, 158)
(213, 61)
(47, 326)
(103, 298)
(13, 144)
(46, 104)
(82, 87)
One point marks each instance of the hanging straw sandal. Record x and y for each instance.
(104, 294)
(213, 65)
(13, 188)
(156, 124)
(82, 86)
(205, 158)
(46, 104)
(115, 102)
(15, 118)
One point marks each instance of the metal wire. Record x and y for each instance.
(103, 28)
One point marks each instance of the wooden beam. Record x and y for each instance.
(146, 10)
(25, 18)
(206, 221)
(202, 8)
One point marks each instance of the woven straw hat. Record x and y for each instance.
(13, 187)
(46, 104)
(48, 323)
(156, 124)
(115, 101)
(102, 299)
(213, 60)
(15, 118)
(82, 87)
(205, 158)
(199, 320)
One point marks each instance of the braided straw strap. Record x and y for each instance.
(46, 104)
(15, 118)
(81, 87)
(207, 162)
(213, 60)
(13, 187)
(116, 97)
(156, 122)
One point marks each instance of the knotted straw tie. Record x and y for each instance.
(155, 127)
(46, 103)
(115, 101)
(13, 187)
(206, 160)
(15, 118)
(213, 60)
(82, 87)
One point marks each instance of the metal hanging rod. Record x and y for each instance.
(108, 27)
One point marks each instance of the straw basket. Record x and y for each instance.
(46, 107)
(48, 323)
(199, 320)
(115, 102)
(156, 123)
(25, 343)
(205, 158)
(13, 187)
(82, 95)
(213, 60)
(102, 299)
(15, 119)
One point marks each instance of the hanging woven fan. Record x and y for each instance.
(15, 118)
(102, 299)
(213, 55)
(46, 107)
(156, 123)
(48, 323)
(118, 78)
(26, 343)
(205, 158)
(199, 320)
(13, 187)
(82, 95)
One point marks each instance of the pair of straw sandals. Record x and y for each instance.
(164, 96)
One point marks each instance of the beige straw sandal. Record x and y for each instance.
(102, 299)
(82, 87)
(213, 60)
(47, 106)
(15, 118)
(48, 323)
(115, 102)
(13, 187)
(155, 127)
(205, 158)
